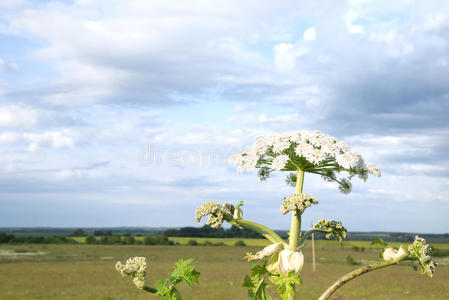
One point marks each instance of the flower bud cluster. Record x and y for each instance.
(218, 213)
(334, 228)
(421, 251)
(305, 150)
(393, 254)
(297, 202)
(280, 260)
(135, 268)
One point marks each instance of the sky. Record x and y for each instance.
(124, 113)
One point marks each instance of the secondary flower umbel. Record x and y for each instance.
(421, 251)
(334, 228)
(218, 213)
(135, 268)
(310, 151)
(297, 202)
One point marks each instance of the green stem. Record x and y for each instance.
(308, 233)
(357, 272)
(295, 226)
(149, 289)
(258, 228)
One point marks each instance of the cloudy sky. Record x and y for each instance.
(119, 113)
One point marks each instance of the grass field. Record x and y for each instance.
(87, 272)
(265, 242)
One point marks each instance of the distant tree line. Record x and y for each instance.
(35, 239)
(399, 237)
(82, 232)
(128, 240)
(206, 231)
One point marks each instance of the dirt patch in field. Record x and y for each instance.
(20, 253)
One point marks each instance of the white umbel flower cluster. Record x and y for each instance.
(218, 213)
(420, 250)
(310, 151)
(333, 228)
(135, 268)
(297, 202)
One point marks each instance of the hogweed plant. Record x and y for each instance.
(295, 153)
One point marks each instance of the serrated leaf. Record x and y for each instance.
(286, 284)
(257, 269)
(183, 271)
(256, 283)
(162, 288)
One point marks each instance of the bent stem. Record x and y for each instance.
(149, 289)
(295, 226)
(258, 228)
(357, 272)
(309, 233)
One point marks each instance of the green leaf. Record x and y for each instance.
(257, 269)
(167, 290)
(162, 288)
(183, 271)
(286, 284)
(380, 242)
(256, 283)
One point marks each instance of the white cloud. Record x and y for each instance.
(8, 66)
(285, 55)
(141, 52)
(53, 139)
(310, 34)
(8, 4)
(9, 138)
(349, 19)
(18, 117)
(397, 44)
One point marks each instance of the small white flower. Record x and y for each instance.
(372, 169)
(280, 144)
(279, 162)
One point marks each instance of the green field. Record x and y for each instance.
(87, 272)
(265, 242)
